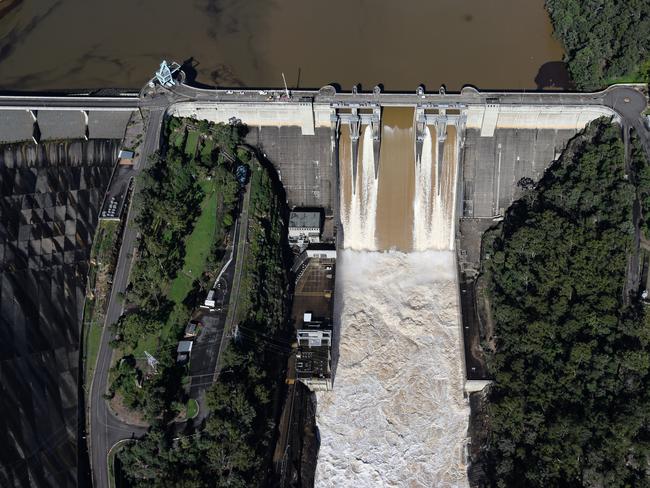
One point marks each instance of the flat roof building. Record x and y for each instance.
(321, 251)
(183, 351)
(314, 358)
(210, 302)
(304, 227)
(192, 329)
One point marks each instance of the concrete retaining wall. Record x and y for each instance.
(487, 118)
(302, 114)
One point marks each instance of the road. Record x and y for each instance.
(105, 428)
(626, 100)
(612, 97)
(207, 347)
(239, 265)
(23, 102)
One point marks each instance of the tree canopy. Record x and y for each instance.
(604, 40)
(570, 403)
(234, 448)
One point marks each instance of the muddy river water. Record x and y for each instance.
(97, 43)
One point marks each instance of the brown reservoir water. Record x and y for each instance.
(93, 43)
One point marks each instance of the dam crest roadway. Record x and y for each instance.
(309, 109)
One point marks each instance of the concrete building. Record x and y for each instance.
(192, 329)
(314, 355)
(321, 251)
(210, 302)
(312, 315)
(304, 227)
(183, 351)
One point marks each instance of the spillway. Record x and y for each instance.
(360, 211)
(436, 180)
(396, 416)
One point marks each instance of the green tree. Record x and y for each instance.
(569, 404)
(603, 41)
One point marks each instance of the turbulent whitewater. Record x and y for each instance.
(397, 416)
(434, 200)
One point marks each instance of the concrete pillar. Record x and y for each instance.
(306, 114)
(36, 132)
(86, 131)
(490, 117)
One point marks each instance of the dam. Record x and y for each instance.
(418, 178)
(408, 183)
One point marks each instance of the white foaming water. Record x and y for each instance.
(396, 416)
(433, 205)
(423, 203)
(361, 217)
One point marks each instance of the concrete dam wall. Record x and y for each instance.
(303, 114)
(49, 202)
(491, 116)
(505, 144)
(48, 125)
(500, 143)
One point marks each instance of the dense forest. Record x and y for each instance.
(605, 41)
(235, 446)
(570, 402)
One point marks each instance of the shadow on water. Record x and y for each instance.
(297, 85)
(554, 75)
(189, 68)
(551, 76)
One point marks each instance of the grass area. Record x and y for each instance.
(105, 239)
(113, 481)
(640, 74)
(197, 246)
(111, 469)
(177, 138)
(631, 78)
(207, 147)
(93, 339)
(102, 255)
(191, 143)
(148, 343)
(246, 283)
(197, 249)
(192, 408)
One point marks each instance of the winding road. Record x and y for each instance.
(105, 429)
